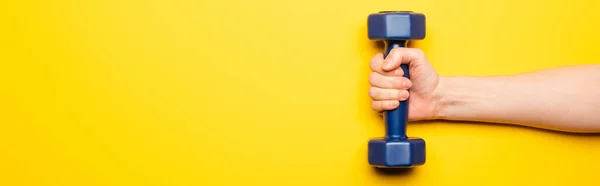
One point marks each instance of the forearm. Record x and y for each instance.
(565, 99)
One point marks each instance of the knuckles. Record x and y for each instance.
(373, 92)
(373, 78)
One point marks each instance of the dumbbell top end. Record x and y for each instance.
(396, 25)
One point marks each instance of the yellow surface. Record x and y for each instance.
(266, 92)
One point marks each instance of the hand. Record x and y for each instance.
(388, 87)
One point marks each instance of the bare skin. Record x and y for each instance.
(563, 99)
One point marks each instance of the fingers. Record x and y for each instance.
(398, 56)
(389, 82)
(387, 91)
(376, 65)
(388, 87)
(379, 94)
(380, 106)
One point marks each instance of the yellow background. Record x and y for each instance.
(266, 92)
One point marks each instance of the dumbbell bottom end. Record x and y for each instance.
(396, 153)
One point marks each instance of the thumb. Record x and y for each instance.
(401, 55)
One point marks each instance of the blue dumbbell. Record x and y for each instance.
(395, 149)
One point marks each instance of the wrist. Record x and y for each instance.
(466, 98)
(442, 98)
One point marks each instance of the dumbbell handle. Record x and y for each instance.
(396, 119)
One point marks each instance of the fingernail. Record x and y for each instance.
(399, 72)
(406, 84)
(387, 65)
(404, 95)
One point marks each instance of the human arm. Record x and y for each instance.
(562, 99)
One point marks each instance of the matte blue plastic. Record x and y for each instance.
(396, 26)
(395, 149)
(396, 153)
